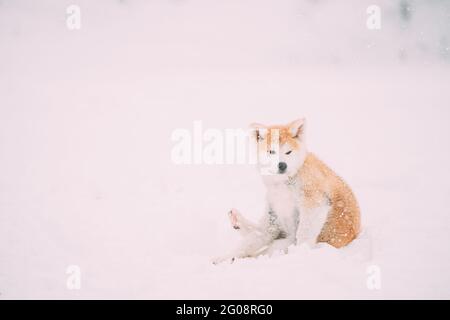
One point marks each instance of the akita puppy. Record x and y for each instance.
(306, 201)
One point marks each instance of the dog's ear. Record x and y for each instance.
(259, 130)
(297, 128)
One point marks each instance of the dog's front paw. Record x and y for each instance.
(235, 218)
(222, 259)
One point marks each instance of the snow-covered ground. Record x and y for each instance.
(87, 179)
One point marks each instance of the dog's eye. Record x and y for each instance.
(289, 152)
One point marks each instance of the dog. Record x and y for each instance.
(306, 201)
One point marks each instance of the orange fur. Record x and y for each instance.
(343, 222)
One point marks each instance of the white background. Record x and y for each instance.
(86, 117)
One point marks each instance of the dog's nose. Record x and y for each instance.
(282, 166)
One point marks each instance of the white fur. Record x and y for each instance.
(311, 224)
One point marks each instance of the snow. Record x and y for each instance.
(85, 149)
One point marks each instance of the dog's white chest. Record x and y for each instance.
(283, 201)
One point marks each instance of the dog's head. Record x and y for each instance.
(281, 149)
